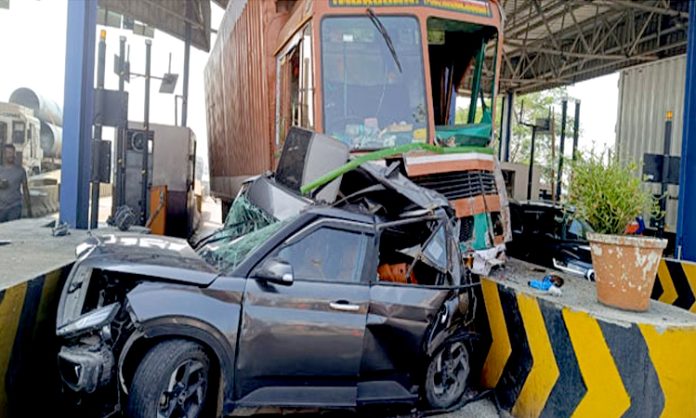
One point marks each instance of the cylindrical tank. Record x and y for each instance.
(51, 139)
(44, 109)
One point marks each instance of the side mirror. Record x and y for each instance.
(274, 271)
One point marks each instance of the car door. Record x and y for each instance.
(300, 343)
(400, 325)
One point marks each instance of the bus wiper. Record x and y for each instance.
(387, 39)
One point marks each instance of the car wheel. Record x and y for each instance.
(170, 382)
(447, 375)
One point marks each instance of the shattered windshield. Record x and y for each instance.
(245, 217)
(369, 103)
(227, 255)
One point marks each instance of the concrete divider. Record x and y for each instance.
(28, 374)
(33, 267)
(570, 356)
(676, 284)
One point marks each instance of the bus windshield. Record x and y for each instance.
(369, 103)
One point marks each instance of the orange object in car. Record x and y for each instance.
(395, 273)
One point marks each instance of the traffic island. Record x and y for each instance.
(557, 356)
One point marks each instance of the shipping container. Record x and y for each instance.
(646, 94)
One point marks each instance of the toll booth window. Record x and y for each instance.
(462, 69)
(368, 101)
(18, 132)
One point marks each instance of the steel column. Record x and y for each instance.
(101, 64)
(78, 105)
(564, 116)
(187, 59)
(686, 221)
(119, 189)
(507, 126)
(145, 188)
(530, 174)
(576, 129)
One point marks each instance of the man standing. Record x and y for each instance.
(13, 183)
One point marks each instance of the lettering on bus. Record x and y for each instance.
(473, 7)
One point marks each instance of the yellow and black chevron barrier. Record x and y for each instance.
(676, 284)
(27, 346)
(546, 360)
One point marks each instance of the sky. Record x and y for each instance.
(599, 107)
(36, 59)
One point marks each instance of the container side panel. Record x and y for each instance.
(646, 94)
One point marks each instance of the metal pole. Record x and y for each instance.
(101, 64)
(686, 221)
(576, 129)
(187, 57)
(508, 125)
(530, 175)
(666, 149)
(476, 83)
(120, 184)
(78, 108)
(559, 179)
(176, 110)
(146, 149)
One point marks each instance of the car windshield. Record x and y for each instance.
(369, 103)
(577, 230)
(227, 255)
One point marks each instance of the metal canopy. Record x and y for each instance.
(169, 16)
(548, 43)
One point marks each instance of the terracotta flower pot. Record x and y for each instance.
(625, 269)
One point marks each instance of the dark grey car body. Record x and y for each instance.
(313, 343)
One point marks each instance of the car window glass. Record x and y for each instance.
(436, 251)
(326, 254)
(576, 230)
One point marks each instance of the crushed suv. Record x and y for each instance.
(357, 303)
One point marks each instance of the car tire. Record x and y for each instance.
(447, 375)
(171, 381)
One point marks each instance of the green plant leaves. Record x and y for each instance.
(607, 196)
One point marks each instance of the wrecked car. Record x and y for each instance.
(343, 305)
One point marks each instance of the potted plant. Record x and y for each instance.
(608, 197)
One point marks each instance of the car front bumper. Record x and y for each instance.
(86, 368)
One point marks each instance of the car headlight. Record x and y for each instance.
(73, 295)
(91, 321)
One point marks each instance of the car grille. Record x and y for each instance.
(459, 185)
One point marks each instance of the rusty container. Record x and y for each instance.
(239, 93)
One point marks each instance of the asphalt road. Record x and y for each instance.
(479, 409)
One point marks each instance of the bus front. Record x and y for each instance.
(398, 72)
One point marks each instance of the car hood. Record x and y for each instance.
(158, 257)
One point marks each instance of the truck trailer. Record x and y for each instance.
(377, 75)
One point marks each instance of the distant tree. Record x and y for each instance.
(536, 106)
